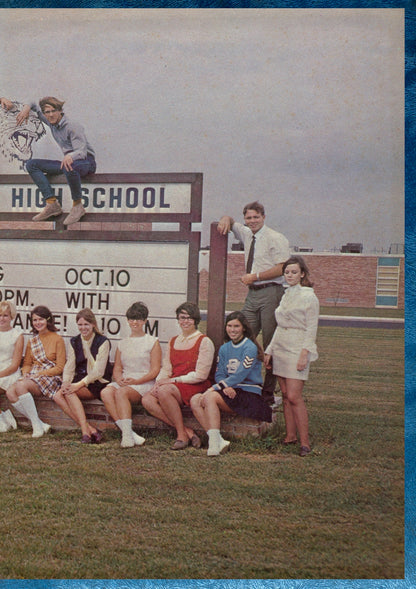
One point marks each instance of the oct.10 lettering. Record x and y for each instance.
(97, 277)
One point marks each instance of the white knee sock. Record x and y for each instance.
(26, 405)
(18, 405)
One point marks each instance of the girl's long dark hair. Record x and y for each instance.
(43, 312)
(247, 331)
(305, 280)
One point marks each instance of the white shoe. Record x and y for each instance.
(138, 440)
(9, 419)
(277, 402)
(4, 426)
(75, 214)
(52, 209)
(221, 448)
(38, 433)
(127, 442)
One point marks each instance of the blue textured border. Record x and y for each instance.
(410, 356)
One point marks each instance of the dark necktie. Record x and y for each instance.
(251, 255)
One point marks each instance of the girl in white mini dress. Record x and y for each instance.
(293, 347)
(11, 352)
(137, 363)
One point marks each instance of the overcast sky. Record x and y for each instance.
(301, 109)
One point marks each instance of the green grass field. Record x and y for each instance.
(261, 511)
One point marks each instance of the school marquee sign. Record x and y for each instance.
(121, 197)
(151, 256)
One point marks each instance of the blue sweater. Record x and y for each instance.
(239, 367)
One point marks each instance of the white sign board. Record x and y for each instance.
(107, 277)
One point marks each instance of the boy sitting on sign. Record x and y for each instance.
(78, 160)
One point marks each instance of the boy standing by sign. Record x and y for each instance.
(265, 252)
(78, 160)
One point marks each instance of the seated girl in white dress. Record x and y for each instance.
(137, 363)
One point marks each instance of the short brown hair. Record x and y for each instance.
(52, 101)
(138, 311)
(254, 206)
(192, 310)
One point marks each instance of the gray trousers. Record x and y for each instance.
(259, 308)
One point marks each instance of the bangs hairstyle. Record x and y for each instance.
(8, 307)
(192, 310)
(43, 312)
(247, 331)
(254, 206)
(89, 317)
(137, 311)
(52, 101)
(305, 280)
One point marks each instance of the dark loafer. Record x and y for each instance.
(86, 439)
(304, 451)
(179, 445)
(285, 443)
(195, 441)
(97, 437)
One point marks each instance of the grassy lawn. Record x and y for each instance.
(261, 511)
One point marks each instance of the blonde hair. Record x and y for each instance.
(8, 306)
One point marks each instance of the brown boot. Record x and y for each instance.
(75, 215)
(52, 209)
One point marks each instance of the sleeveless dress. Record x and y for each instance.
(7, 343)
(135, 359)
(184, 361)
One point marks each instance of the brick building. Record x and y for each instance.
(344, 280)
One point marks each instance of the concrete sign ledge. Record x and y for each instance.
(350, 321)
